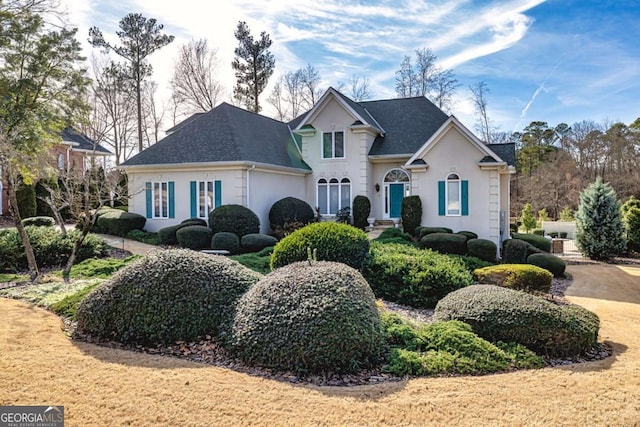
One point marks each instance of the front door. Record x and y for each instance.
(396, 194)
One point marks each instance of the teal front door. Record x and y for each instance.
(396, 194)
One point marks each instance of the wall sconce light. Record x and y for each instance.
(377, 187)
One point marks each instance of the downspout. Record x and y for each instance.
(248, 183)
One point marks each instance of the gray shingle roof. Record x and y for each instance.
(82, 142)
(507, 152)
(225, 134)
(408, 124)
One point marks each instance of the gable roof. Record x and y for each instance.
(225, 134)
(506, 152)
(82, 142)
(408, 123)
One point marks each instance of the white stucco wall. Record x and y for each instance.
(266, 188)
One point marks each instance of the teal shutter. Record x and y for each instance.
(172, 200)
(441, 198)
(148, 195)
(194, 199)
(218, 194)
(465, 198)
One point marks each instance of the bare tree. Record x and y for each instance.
(479, 93)
(425, 71)
(311, 81)
(277, 100)
(444, 87)
(359, 88)
(406, 79)
(194, 85)
(295, 92)
(152, 113)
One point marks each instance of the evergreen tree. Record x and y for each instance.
(527, 219)
(599, 227)
(566, 215)
(253, 64)
(631, 217)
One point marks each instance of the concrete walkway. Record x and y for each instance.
(133, 246)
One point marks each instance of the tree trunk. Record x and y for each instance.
(139, 105)
(34, 273)
(74, 253)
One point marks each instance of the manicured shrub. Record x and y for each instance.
(471, 263)
(195, 221)
(26, 196)
(524, 277)
(411, 213)
(393, 233)
(413, 276)
(168, 234)
(516, 251)
(165, 297)
(194, 237)
(234, 219)
(290, 210)
(430, 230)
(119, 223)
(553, 234)
(513, 228)
(148, 237)
(361, 211)
(226, 241)
(539, 242)
(501, 314)
(470, 234)
(632, 228)
(549, 262)
(482, 248)
(538, 231)
(256, 242)
(39, 221)
(309, 319)
(331, 241)
(445, 243)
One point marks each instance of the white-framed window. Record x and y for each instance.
(160, 197)
(333, 145)
(333, 195)
(61, 161)
(205, 198)
(453, 195)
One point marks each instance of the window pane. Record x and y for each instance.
(201, 199)
(156, 199)
(333, 198)
(339, 142)
(209, 198)
(322, 198)
(345, 195)
(165, 197)
(327, 151)
(453, 202)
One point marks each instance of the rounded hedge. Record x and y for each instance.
(516, 251)
(234, 219)
(331, 241)
(470, 234)
(257, 242)
(484, 249)
(524, 277)
(195, 221)
(423, 231)
(226, 241)
(501, 314)
(119, 223)
(309, 319)
(361, 211)
(413, 276)
(549, 262)
(411, 213)
(446, 243)
(168, 236)
(39, 221)
(194, 237)
(167, 296)
(538, 241)
(288, 211)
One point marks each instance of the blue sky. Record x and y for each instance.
(554, 61)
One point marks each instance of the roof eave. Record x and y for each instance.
(171, 167)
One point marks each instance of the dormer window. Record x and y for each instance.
(333, 145)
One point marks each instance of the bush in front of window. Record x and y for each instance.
(538, 241)
(166, 296)
(290, 210)
(423, 231)
(309, 318)
(168, 234)
(194, 237)
(195, 221)
(226, 241)
(361, 211)
(119, 223)
(507, 315)
(413, 276)
(484, 249)
(234, 219)
(332, 241)
(445, 243)
(470, 234)
(411, 213)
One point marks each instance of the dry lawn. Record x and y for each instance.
(99, 386)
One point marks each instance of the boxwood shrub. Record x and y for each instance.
(119, 223)
(166, 296)
(226, 241)
(234, 219)
(194, 237)
(501, 314)
(430, 230)
(516, 251)
(256, 242)
(516, 276)
(482, 248)
(195, 221)
(39, 221)
(413, 276)
(538, 241)
(411, 213)
(393, 233)
(470, 234)
(332, 242)
(290, 210)
(549, 262)
(361, 211)
(309, 318)
(445, 243)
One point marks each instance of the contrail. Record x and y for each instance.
(524, 111)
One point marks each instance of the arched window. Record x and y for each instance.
(333, 195)
(453, 194)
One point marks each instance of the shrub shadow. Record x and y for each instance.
(597, 365)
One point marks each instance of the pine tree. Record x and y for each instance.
(527, 219)
(599, 227)
(631, 217)
(253, 65)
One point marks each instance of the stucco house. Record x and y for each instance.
(74, 151)
(385, 150)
